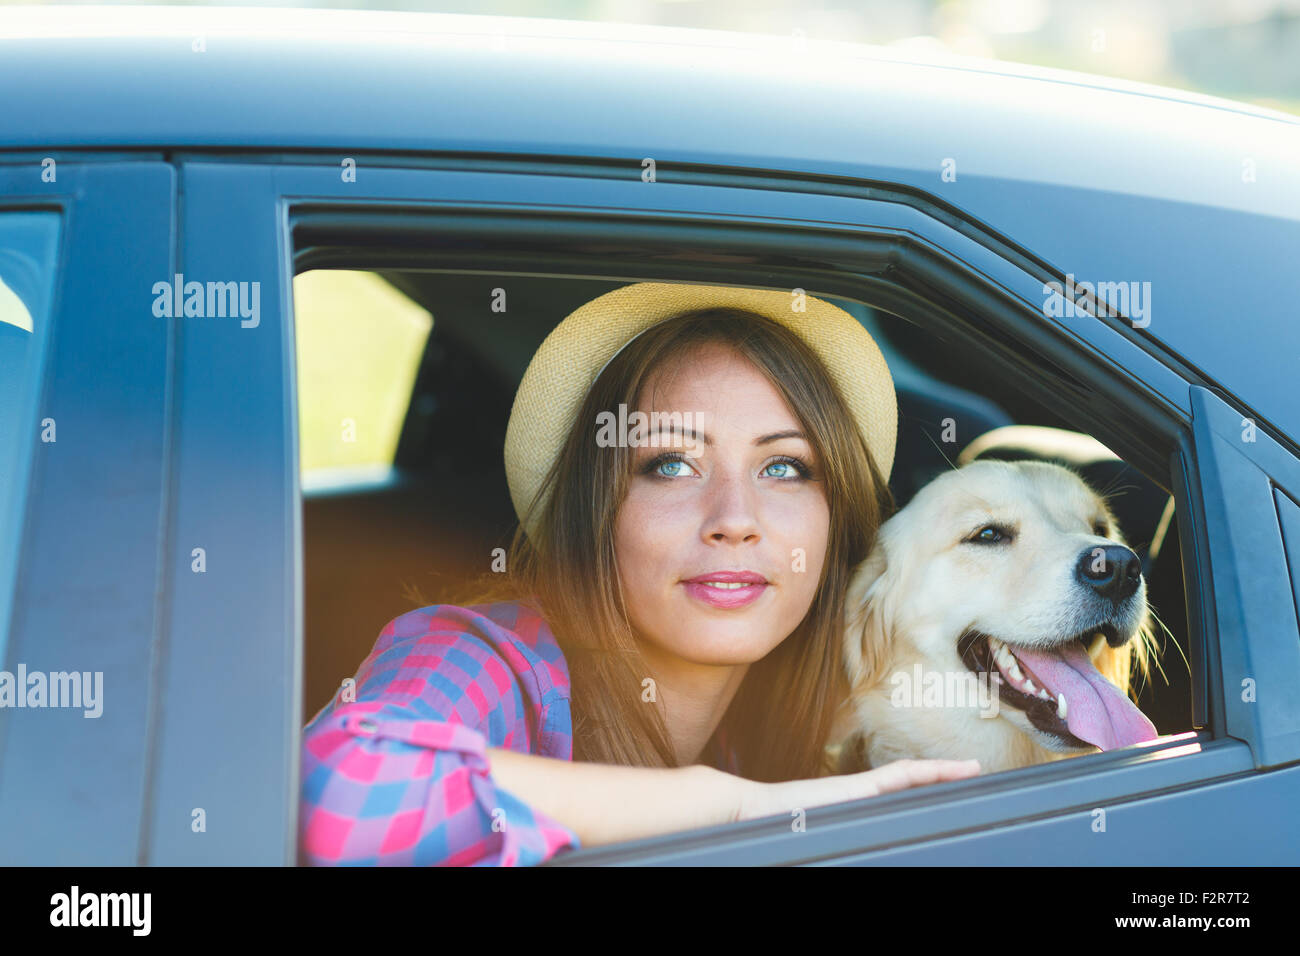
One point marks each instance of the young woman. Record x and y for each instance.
(697, 472)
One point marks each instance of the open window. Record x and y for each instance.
(442, 504)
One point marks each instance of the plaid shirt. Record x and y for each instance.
(400, 775)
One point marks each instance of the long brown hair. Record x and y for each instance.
(780, 718)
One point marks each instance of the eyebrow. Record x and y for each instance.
(764, 440)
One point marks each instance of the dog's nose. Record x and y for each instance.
(1113, 571)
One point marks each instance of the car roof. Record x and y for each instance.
(1104, 179)
(130, 76)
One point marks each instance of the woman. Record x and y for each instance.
(695, 471)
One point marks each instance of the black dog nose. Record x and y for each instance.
(1113, 571)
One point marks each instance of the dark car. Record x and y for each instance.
(212, 222)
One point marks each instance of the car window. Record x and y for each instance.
(28, 250)
(359, 343)
(456, 493)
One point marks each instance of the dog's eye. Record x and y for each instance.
(990, 534)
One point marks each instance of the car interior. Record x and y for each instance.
(375, 550)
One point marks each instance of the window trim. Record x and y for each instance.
(1253, 588)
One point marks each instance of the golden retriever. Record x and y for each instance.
(999, 616)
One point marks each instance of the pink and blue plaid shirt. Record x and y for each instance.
(400, 776)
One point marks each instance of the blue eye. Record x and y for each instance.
(676, 465)
(797, 469)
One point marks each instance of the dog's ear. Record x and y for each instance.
(867, 635)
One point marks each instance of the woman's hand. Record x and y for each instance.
(766, 799)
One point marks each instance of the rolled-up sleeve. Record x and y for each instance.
(400, 776)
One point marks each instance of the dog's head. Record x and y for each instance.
(1017, 571)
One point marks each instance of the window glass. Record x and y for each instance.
(29, 244)
(359, 342)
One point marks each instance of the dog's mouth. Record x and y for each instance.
(1059, 689)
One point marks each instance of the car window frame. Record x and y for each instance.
(232, 612)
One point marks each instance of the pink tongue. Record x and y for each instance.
(1096, 710)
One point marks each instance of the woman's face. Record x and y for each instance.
(731, 498)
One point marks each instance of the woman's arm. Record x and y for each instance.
(602, 804)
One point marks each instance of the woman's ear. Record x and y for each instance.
(867, 637)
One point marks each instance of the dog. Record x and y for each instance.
(1008, 585)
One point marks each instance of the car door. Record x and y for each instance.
(80, 562)
(898, 251)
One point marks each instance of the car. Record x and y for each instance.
(214, 221)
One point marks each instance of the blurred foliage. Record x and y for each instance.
(359, 343)
(1247, 50)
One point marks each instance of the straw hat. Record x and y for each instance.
(575, 353)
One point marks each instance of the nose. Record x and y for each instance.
(732, 514)
(1112, 571)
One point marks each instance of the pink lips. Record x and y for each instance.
(755, 585)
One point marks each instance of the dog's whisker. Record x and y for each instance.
(1173, 639)
(1143, 652)
(1108, 492)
